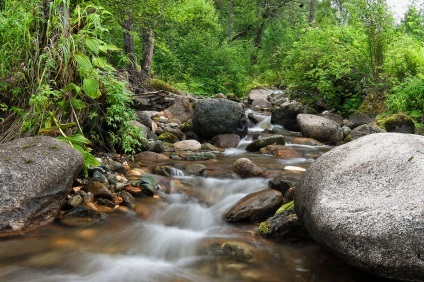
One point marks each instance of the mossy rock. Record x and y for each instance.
(157, 84)
(373, 104)
(399, 122)
(168, 137)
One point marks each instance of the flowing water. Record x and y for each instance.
(179, 238)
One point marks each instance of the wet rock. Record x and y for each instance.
(285, 226)
(280, 184)
(257, 205)
(93, 169)
(36, 175)
(196, 169)
(226, 140)
(356, 120)
(88, 198)
(118, 199)
(83, 216)
(271, 149)
(332, 116)
(149, 156)
(289, 195)
(75, 201)
(278, 97)
(99, 177)
(363, 130)
(200, 156)
(254, 119)
(219, 116)
(346, 131)
(116, 167)
(303, 141)
(397, 123)
(168, 137)
(135, 191)
(183, 108)
(128, 199)
(156, 146)
(105, 202)
(364, 202)
(261, 104)
(287, 154)
(259, 94)
(144, 118)
(234, 250)
(99, 190)
(286, 114)
(148, 185)
(166, 170)
(153, 101)
(246, 168)
(265, 141)
(320, 128)
(187, 145)
(210, 147)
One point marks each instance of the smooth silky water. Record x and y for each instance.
(177, 238)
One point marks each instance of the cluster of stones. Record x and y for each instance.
(354, 195)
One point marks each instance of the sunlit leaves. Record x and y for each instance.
(91, 88)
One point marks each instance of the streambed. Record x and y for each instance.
(180, 237)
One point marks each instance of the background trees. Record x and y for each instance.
(61, 60)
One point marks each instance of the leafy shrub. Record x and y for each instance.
(328, 63)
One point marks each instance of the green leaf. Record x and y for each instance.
(92, 45)
(99, 62)
(416, 113)
(83, 61)
(91, 87)
(108, 47)
(74, 87)
(78, 104)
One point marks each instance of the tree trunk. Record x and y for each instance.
(311, 12)
(128, 26)
(230, 19)
(148, 47)
(44, 21)
(258, 41)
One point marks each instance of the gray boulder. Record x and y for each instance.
(246, 168)
(226, 140)
(259, 94)
(257, 205)
(363, 130)
(263, 142)
(36, 175)
(218, 116)
(182, 108)
(364, 202)
(320, 128)
(286, 114)
(356, 120)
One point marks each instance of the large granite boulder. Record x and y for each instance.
(219, 116)
(320, 128)
(364, 201)
(36, 175)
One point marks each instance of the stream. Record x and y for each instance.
(179, 238)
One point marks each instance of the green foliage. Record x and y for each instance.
(405, 58)
(327, 63)
(194, 57)
(56, 75)
(407, 97)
